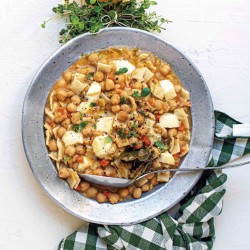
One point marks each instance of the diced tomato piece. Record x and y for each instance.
(79, 159)
(146, 141)
(157, 117)
(175, 156)
(177, 98)
(118, 91)
(104, 163)
(106, 193)
(78, 188)
(61, 110)
(122, 86)
(182, 127)
(137, 147)
(111, 76)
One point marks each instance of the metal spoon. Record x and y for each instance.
(119, 182)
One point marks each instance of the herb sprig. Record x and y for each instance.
(96, 14)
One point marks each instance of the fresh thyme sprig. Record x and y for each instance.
(98, 14)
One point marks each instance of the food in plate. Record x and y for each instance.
(117, 112)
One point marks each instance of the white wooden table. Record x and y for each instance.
(214, 34)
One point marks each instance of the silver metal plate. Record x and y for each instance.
(162, 197)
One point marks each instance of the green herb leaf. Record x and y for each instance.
(134, 125)
(43, 25)
(161, 146)
(94, 125)
(92, 104)
(108, 139)
(143, 113)
(133, 133)
(121, 71)
(78, 127)
(89, 76)
(123, 100)
(66, 159)
(145, 92)
(121, 134)
(136, 94)
(81, 115)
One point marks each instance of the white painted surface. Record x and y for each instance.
(214, 34)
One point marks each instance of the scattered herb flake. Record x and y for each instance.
(161, 146)
(134, 125)
(145, 92)
(133, 133)
(136, 94)
(92, 104)
(78, 127)
(143, 113)
(123, 100)
(89, 76)
(66, 159)
(94, 125)
(81, 116)
(108, 139)
(121, 71)
(121, 134)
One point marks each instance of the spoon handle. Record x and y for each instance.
(195, 169)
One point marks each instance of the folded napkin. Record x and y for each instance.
(193, 225)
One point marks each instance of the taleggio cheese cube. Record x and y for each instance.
(94, 89)
(105, 124)
(72, 138)
(168, 88)
(100, 146)
(166, 158)
(105, 68)
(124, 64)
(84, 107)
(77, 86)
(169, 120)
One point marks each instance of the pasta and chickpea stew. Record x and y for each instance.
(117, 112)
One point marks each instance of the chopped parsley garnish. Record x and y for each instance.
(136, 94)
(66, 159)
(121, 134)
(143, 113)
(81, 116)
(121, 71)
(79, 127)
(89, 76)
(123, 100)
(145, 92)
(133, 133)
(94, 125)
(108, 139)
(134, 125)
(161, 146)
(92, 104)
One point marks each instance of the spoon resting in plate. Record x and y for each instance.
(120, 182)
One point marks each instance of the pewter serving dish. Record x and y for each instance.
(163, 196)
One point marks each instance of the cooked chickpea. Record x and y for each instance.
(67, 76)
(158, 104)
(145, 187)
(84, 186)
(100, 197)
(99, 171)
(76, 99)
(70, 151)
(80, 150)
(172, 132)
(61, 131)
(165, 107)
(63, 173)
(150, 176)
(140, 118)
(53, 145)
(75, 166)
(143, 130)
(113, 198)
(156, 164)
(131, 189)
(71, 107)
(133, 141)
(98, 76)
(122, 116)
(115, 109)
(101, 102)
(154, 181)
(172, 104)
(61, 95)
(91, 192)
(123, 192)
(159, 76)
(151, 66)
(177, 88)
(61, 83)
(137, 193)
(165, 69)
(115, 99)
(88, 131)
(93, 57)
(76, 118)
(66, 123)
(119, 79)
(109, 84)
(126, 108)
(136, 85)
(70, 93)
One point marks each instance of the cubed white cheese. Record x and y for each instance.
(166, 158)
(100, 147)
(124, 64)
(185, 94)
(149, 122)
(153, 136)
(94, 89)
(105, 124)
(163, 177)
(77, 86)
(138, 74)
(157, 91)
(105, 68)
(86, 163)
(118, 124)
(169, 120)
(147, 75)
(83, 107)
(182, 116)
(72, 138)
(168, 88)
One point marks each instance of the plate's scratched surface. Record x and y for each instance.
(215, 35)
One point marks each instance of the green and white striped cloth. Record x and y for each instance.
(193, 226)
